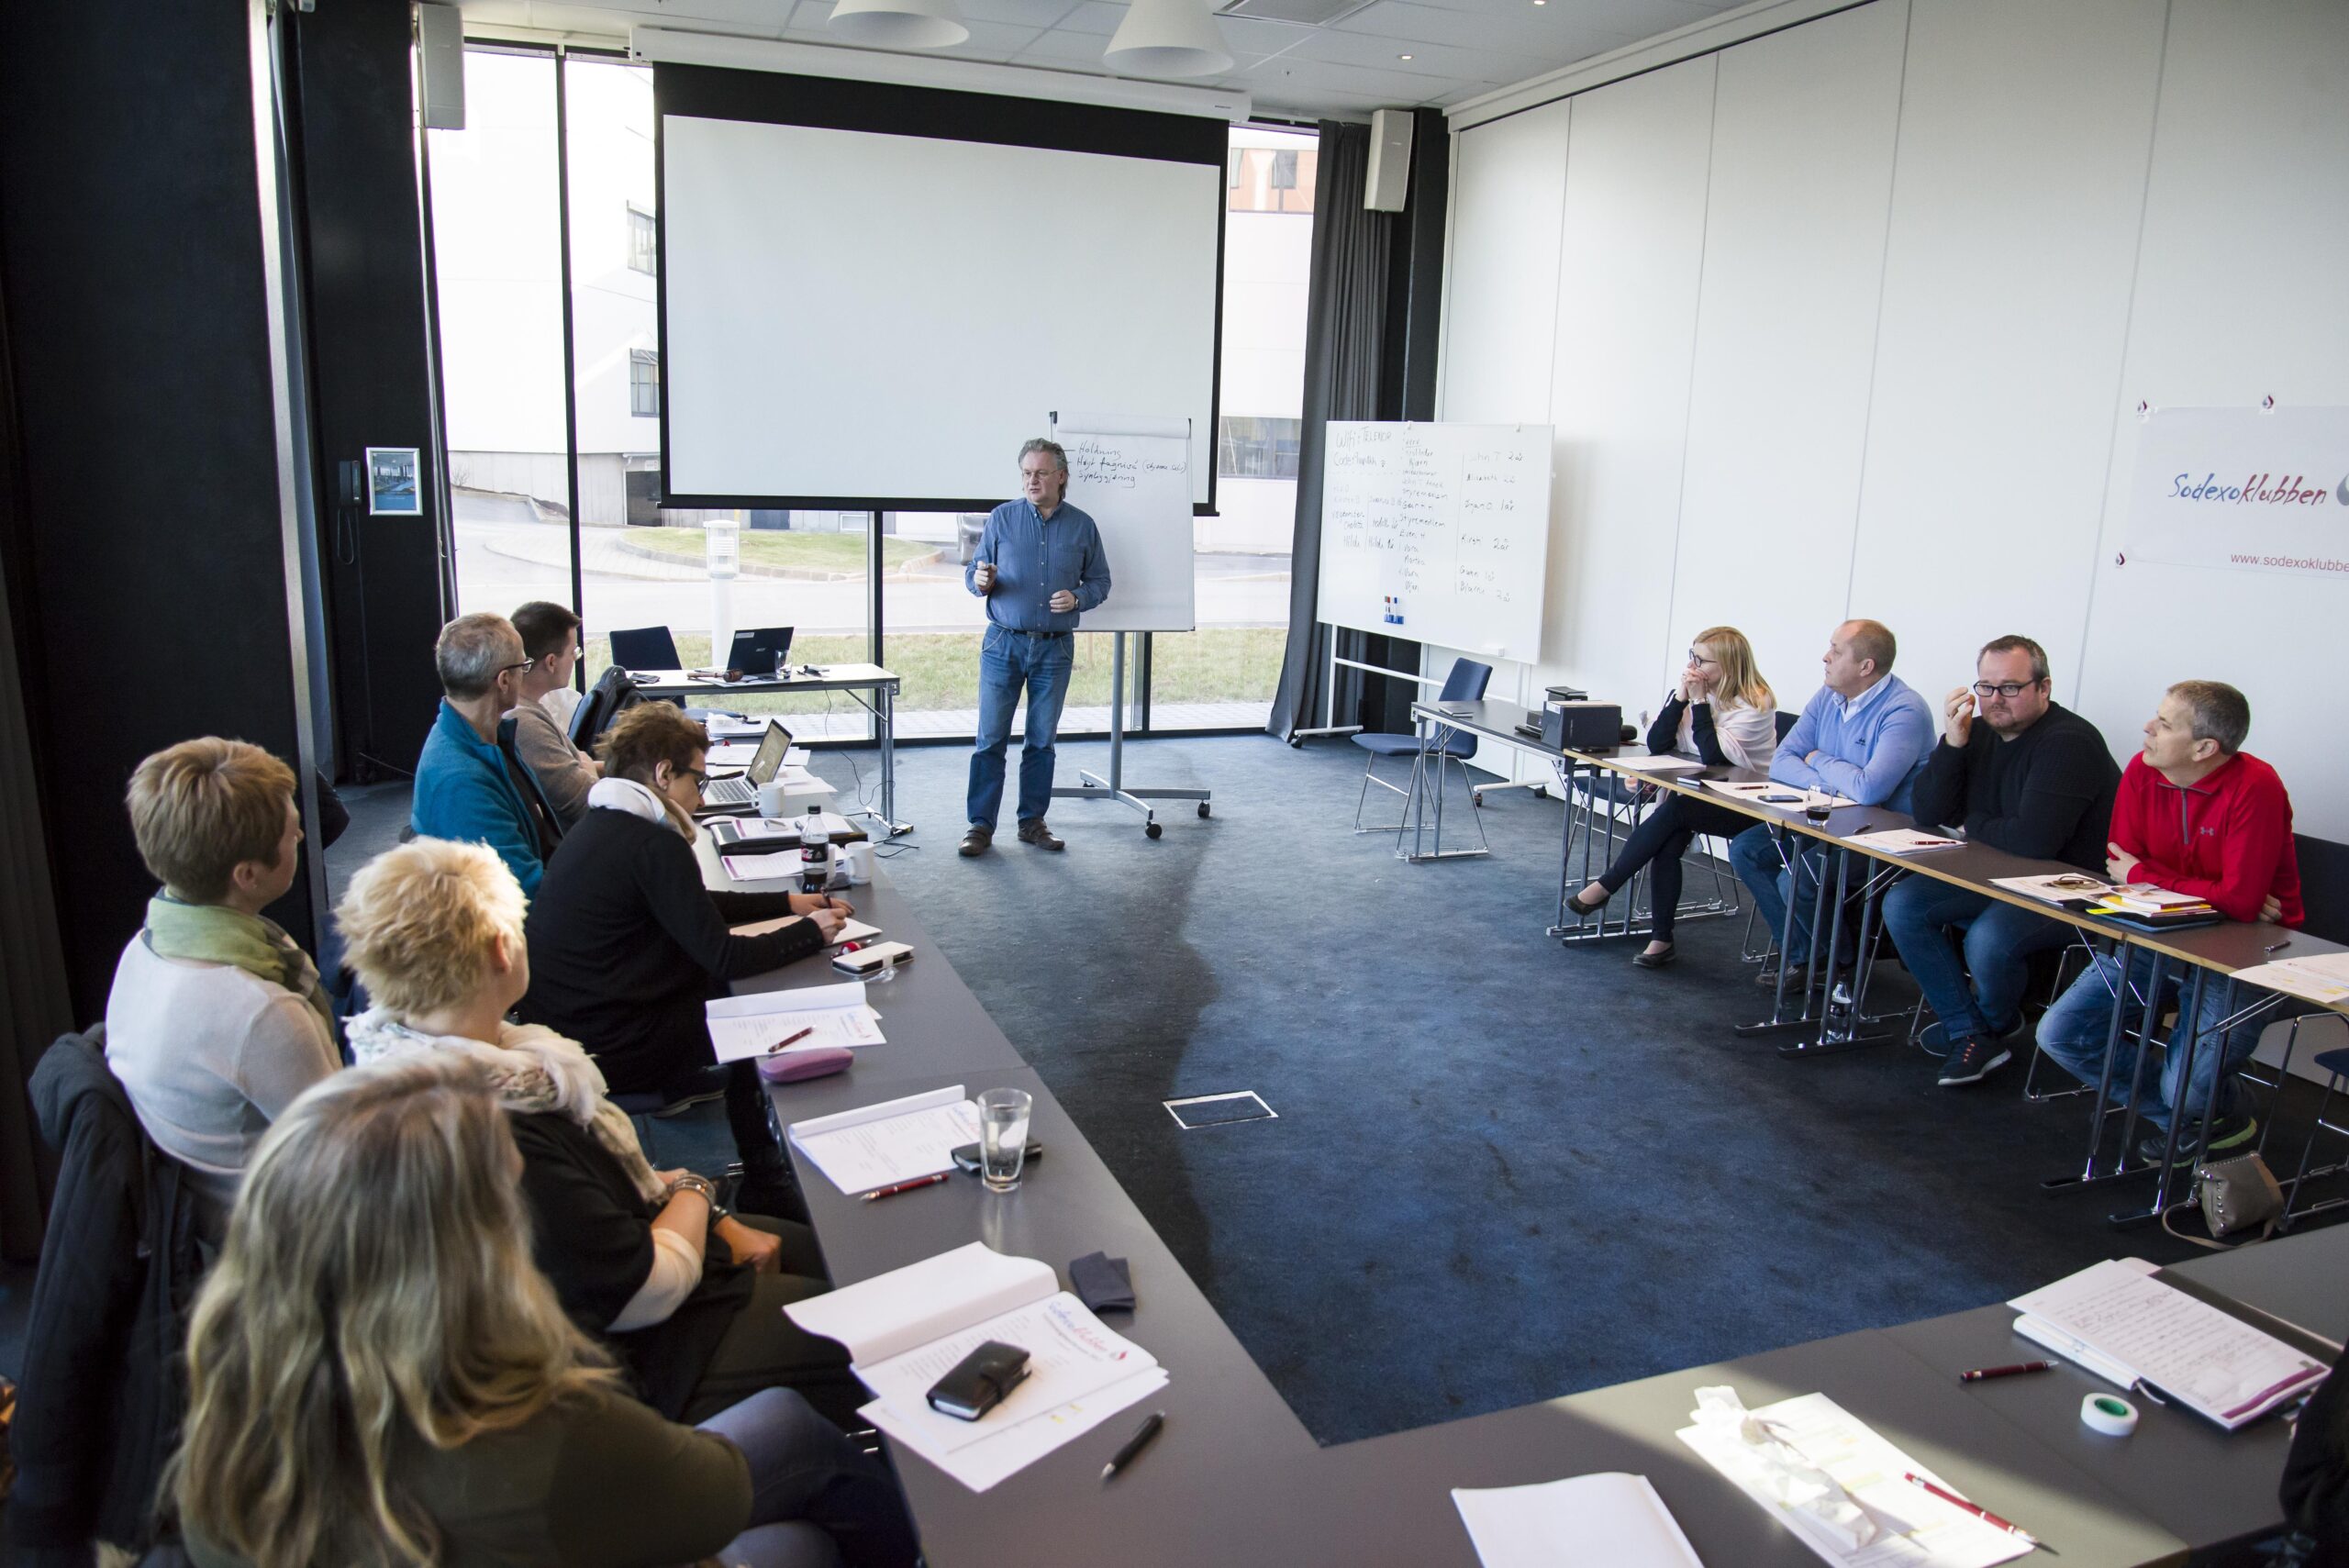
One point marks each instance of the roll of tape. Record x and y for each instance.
(2115, 1417)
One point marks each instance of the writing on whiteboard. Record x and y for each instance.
(1099, 464)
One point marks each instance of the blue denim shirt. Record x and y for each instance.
(1871, 748)
(1036, 556)
(463, 792)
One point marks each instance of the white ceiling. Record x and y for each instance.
(1457, 49)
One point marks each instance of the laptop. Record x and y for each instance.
(743, 788)
(761, 652)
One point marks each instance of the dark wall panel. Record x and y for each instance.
(130, 257)
(354, 177)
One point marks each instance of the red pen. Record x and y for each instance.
(791, 1039)
(905, 1186)
(1980, 1373)
(1979, 1512)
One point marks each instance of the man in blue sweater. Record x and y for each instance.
(1038, 565)
(1863, 737)
(465, 782)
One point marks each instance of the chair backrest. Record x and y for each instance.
(1786, 722)
(1466, 682)
(646, 647)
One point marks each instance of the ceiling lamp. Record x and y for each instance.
(900, 23)
(1167, 38)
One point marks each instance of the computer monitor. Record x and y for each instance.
(762, 652)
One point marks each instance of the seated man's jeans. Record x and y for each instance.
(1010, 662)
(1765, 875)
(2075, 1030)
(816, 1499)
(1998, 938)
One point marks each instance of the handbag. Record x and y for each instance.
(2234, 1195)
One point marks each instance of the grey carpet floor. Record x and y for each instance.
(1502, 1169)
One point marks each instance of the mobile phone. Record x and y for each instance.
(872, 958)
(966, 1158)
(1778, 799)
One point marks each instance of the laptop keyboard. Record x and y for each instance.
(729, 792)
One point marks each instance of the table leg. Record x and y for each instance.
(2114, 1033)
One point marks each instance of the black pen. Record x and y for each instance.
(1134, 1444)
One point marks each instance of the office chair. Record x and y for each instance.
(1465, 684)
(646, 647)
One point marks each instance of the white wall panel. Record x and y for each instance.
(2024, 135)
(2239, 297)
(1626, 321)
(1508, 181)
(1802, 155)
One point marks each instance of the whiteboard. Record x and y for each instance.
(1133, 477)
(1439, 533)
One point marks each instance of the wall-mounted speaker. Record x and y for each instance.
(440, 65)
(1390, 160)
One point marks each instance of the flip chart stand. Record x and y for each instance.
(1096, 787)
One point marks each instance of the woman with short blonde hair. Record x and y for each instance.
(217, 1019)
(1721, 712)
(690, 1296)
(379, 1377)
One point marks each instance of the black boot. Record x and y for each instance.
(768, 1186)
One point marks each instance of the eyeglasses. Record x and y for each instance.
(701, 779)
(2002, 688)
(524, 665)
(1697, 658)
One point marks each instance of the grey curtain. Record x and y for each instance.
(1345, 327)
(34, 1008)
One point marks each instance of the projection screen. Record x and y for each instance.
(862, 317)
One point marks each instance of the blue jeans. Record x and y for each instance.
(1009, 662)
(817, 1500)
(1763, 872)
(1998, 938)
(2074, 1032)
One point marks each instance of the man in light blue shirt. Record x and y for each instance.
(1038, 565)
(1865, 736)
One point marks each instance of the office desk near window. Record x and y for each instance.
(709, 691)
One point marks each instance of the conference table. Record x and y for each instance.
(2198, 956)
(699, 691)
(1235, 1478)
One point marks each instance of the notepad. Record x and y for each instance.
(893, 1140)
(1769, 792)
(850, 931)
(835, 1016)
(2322, 978)
(1608, 1518)
(1903, 841)
(1655, 762)
(2216, 1365)
(907, 1328)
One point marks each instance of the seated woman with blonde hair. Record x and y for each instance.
(378, 1377)
(691, 1297)
(1723, 713)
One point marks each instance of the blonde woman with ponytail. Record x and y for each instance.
(1721, 712)
(380, 1378)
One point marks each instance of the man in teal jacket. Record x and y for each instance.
(465, 788)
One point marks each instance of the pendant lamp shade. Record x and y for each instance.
(900, 23)
(1168, 38)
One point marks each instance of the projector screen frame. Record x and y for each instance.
(825, 103)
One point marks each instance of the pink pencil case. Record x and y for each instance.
(797, 1066)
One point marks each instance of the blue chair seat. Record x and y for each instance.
(1456, 744)
(2333, 1061)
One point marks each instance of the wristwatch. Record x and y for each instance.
(691, 1183)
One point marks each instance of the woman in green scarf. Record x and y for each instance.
(217, 1019)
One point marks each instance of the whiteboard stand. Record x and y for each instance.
(1096, 787)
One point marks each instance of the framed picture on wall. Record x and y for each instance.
(392, 481)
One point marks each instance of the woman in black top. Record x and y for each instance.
(626, 945)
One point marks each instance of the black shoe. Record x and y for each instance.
(697, 1088)
(2229, 1135)
(1033, 831)
(1574, 902)
(1798, 978)
(976, 840)
(1653, 960)
(1973, 1061)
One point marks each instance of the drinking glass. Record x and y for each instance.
(1003, 1136)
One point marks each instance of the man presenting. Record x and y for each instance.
(1038, 565)
(2019, 772)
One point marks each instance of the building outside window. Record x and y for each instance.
(643, 240)
(643, 383)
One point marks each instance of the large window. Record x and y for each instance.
(500, 257)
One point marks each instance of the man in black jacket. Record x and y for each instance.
(2021, 772)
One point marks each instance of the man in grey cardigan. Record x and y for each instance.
(550, 641)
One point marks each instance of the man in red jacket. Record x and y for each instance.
(2198, 815)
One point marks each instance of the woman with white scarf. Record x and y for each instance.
(690, 1297)
(627, 946)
